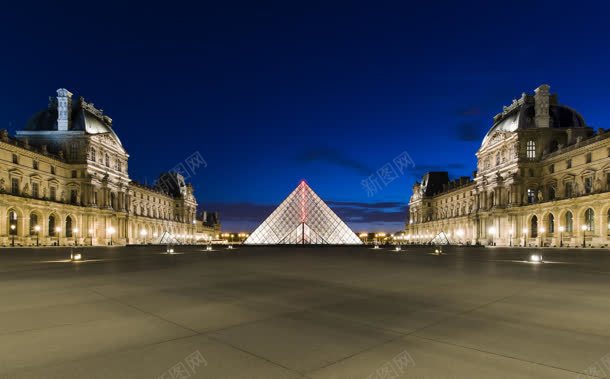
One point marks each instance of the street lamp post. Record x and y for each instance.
(90, 231)
(58, 231)
(542, 230)
(110, 231)
(561, 230)
(37, 230)
(144, 233)
(75, 231)
(524, 230)
(492, 232)
(584, 233)
(510, 238)
(13, 227)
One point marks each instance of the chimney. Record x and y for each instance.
(541, 99)
(64, 106)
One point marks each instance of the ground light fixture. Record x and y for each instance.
(75, 257)
(208, 248)
(397, 248)
(230, 247)
(536, 258)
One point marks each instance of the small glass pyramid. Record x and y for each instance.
(303, 218)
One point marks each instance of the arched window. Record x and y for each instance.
(590, 219)
(33, 223)
(51, 226)
(569, 221)
(534, 227)
(12, 223)
(68, 226)
(531, 149)
(551, 223)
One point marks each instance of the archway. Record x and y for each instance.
(589, 220)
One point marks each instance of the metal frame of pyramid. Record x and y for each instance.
(303, 218)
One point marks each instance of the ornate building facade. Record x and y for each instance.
(543, 179)
(64, 180)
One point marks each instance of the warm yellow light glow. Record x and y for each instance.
(492, 230)
(542, 229)
(58, 229)
(37, 228)
(562, 229)
(524, 230)
(584, 228)
(143, 232)
(110, 230)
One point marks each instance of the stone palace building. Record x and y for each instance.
(543, 179)
(64, 180)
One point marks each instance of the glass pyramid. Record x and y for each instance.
(440, 239)
(303, 218)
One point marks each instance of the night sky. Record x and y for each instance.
(270, 93)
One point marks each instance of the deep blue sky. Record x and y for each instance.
(273, 92)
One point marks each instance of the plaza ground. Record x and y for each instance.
(291, 312)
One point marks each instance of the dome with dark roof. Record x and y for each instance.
(83, 117)
(521, 114)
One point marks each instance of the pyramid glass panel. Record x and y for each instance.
(303, 218)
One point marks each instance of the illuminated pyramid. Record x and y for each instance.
(303, 218)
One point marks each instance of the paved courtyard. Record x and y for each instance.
(273, 312)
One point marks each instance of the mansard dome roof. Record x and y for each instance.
(83, 117)
(521, 114)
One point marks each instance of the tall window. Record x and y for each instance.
(119, 165)
(73, 152)
(588, 157)
(53, 170)
(73, 196)
(569, 163)
(15, 186)
(35, 165)
(534, 227)
(531, 196)
(569, 221)
(568, 189)
(588, 184)
(107, 159)
(551, 223)
(33, 223)
(608, 222)
(15, 159)
(51, 225)
(92, 154)
(590, 219)
(531, 149)
(53, 193)
(551, 192)
(68, 226)
(35, 190)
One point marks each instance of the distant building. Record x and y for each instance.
(543, 178)
(64, 180)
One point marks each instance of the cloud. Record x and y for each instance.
(334, 157)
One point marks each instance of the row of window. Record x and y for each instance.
(35, 164)
(105, 159)
(53, 228)
(35, 191)
(568, 223)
